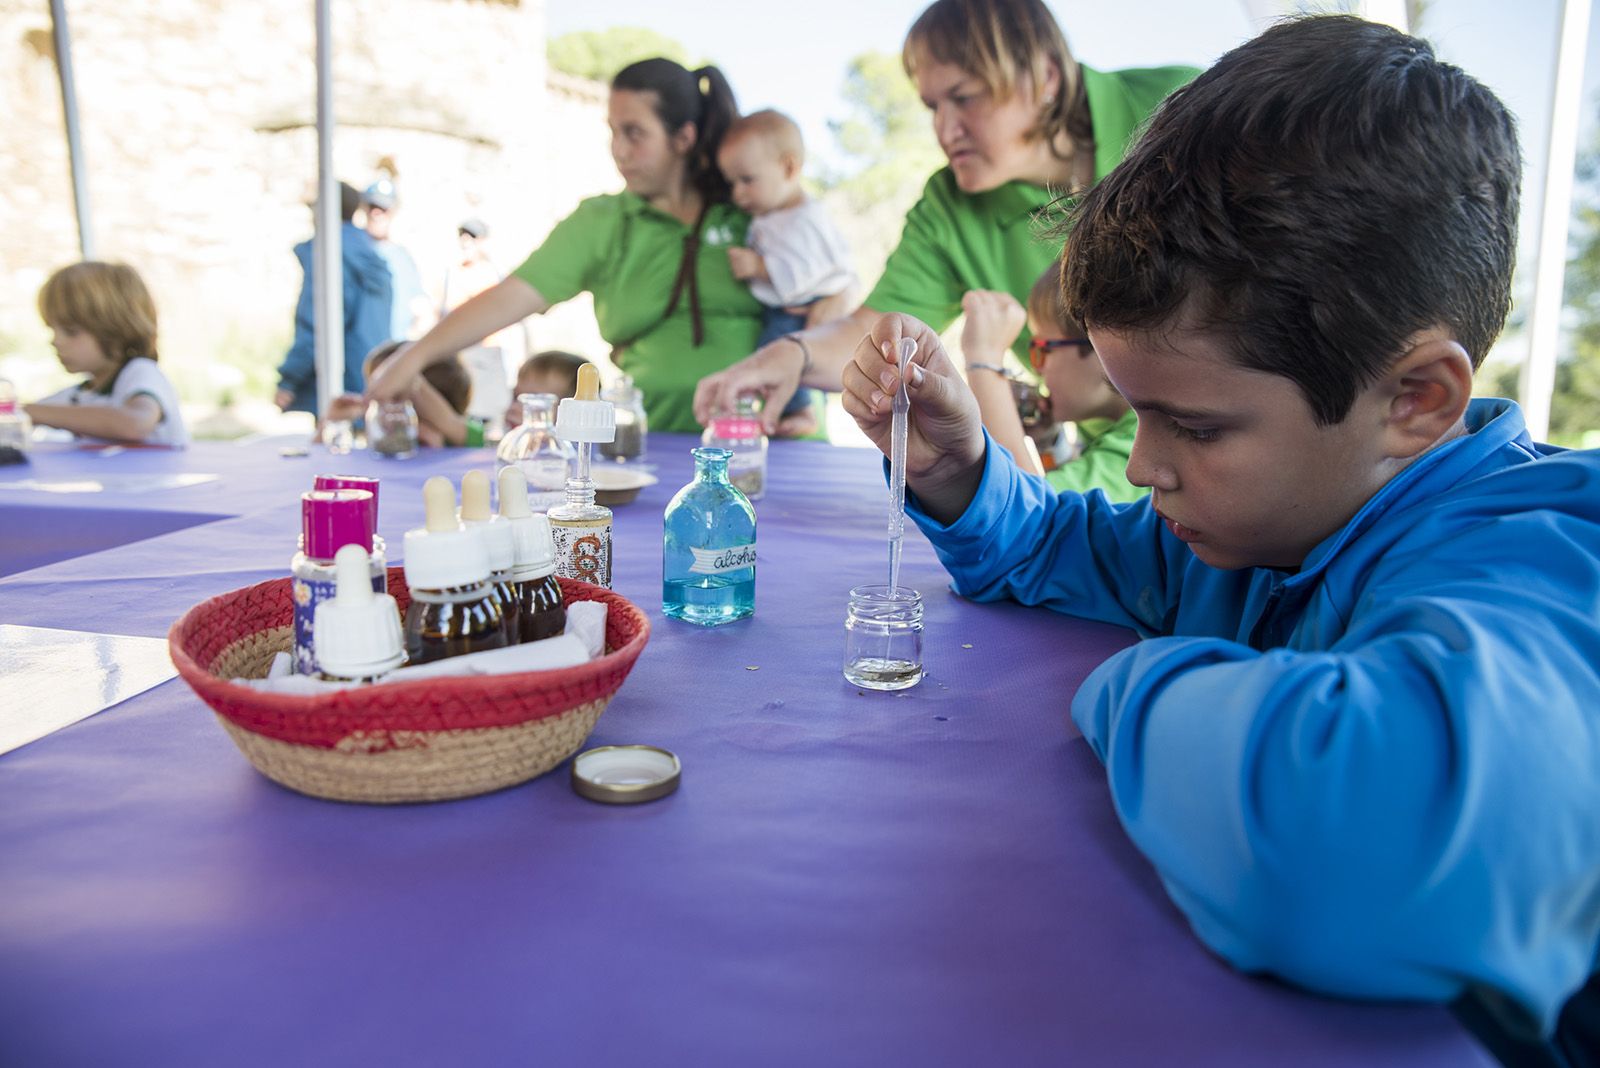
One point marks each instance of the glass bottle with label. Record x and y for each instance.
(534, 449)
(742, 434)
(329, 520)
(581, 528)
(632, 425)
(708, 556)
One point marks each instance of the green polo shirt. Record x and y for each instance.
(954, 241)
(627, 254)
(1102, 460)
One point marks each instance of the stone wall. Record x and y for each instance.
(198, 131)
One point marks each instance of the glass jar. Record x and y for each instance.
(742, 434)
(708, 554)
(16, 429)
(533, 447)
(632, 426)
(392, 429)
(339, 436)
(883, 637)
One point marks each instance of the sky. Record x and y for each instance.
(797, 64)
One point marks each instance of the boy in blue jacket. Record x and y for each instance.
(1361, 741)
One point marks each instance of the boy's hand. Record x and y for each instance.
(747, 264)
(993, 322)
(346, 406)
(392, 379)
(944, 443)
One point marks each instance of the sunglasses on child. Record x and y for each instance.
(1039, 346)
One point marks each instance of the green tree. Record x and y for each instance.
(599, 54)
(887, 135)
(1575, 402)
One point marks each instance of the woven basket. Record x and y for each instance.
(429, 740)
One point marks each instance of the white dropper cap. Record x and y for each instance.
(356, 632)
(534, 550)
(584, 416)
(442, 553)
(475, 513)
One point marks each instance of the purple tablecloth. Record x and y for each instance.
(935, 877)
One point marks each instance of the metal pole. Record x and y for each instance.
(69, 108)
(1555, 218)
(326, 252)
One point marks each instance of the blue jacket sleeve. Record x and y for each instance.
(1075, 553)
(1406, 814)
(299, 368)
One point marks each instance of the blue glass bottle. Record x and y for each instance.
(708, 558)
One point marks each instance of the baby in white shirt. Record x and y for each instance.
(794, 254)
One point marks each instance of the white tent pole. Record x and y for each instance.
(62, 38)
(326, 253)
(1555, 217)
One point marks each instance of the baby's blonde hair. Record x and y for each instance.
(107, 300)
(775, 128)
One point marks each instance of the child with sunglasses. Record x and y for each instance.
(1076, 385)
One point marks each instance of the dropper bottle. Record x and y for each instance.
(475, 515)
(543, 608)
(358, 631)
(581, 528)
(452, 609)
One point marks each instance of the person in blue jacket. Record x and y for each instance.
(367, 299)
(1361, 739)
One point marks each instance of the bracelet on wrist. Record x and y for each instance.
(996, 368)
(805, 351)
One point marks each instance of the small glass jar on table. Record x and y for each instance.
(533, 448)
(883, 637)
(742, 434)
(392, 429)
(632, 425)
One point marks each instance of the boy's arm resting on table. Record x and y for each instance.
(132, 421)
(1019, 539)
(1406, 815)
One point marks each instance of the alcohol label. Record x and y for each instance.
(716, 561)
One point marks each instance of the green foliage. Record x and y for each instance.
(599, 54)
(887, 134)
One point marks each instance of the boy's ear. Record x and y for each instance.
(791, 166)
(1427, 391)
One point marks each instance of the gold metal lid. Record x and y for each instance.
(625, 774)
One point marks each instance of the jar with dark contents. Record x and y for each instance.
(632, 423)
(742, 434)
(453, 609)
(541, 604)
(452, 621)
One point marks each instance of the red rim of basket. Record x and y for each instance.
(461, 702)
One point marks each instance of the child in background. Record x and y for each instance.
(794, 254)
(1078, 390)
(102, 322)
(1361, 746)
(552, 371)
(440, 396)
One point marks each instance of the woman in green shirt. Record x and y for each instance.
(1021, 122)
(654, 256)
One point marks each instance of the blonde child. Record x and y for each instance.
(794, 255)
(102, 323)
(1078, 390)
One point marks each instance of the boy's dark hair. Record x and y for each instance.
(556, 362)
(702, 97)
(1322, 193)
(449, 376)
